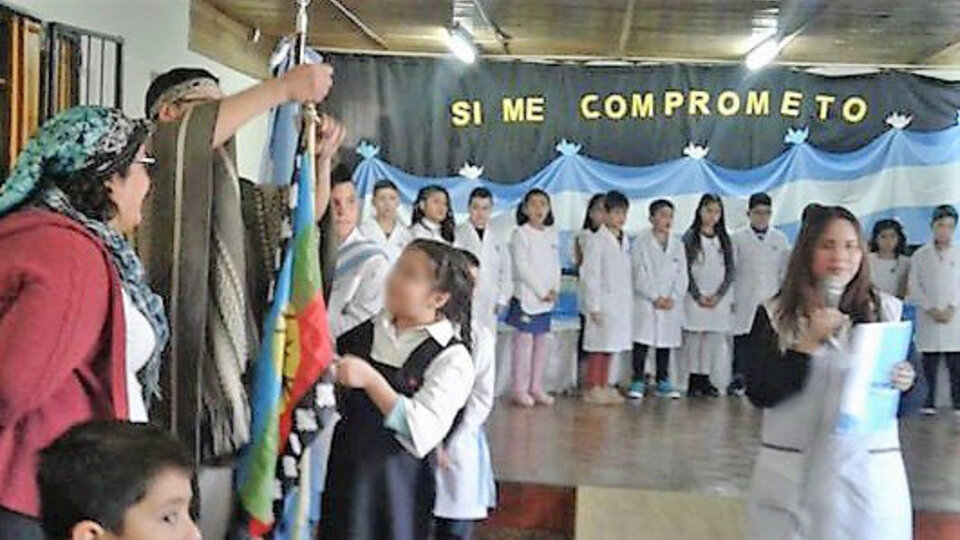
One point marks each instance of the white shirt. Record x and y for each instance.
(357, 292)
(399, 237)
(494, 284)
(935, 283)
(889, 275)
(607, 278)
(658, 272)
(140, 342)
(580, 241)
(761, 265)
(447, 383)
(428, 229)
(536, 267)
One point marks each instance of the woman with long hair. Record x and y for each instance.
(798, 347)
(81, 331)
(708, 306)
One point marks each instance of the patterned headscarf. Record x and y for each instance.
(79, 145)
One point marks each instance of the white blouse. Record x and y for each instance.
(889, 275)
(447, 382)
(140, 342)
(536, 267)
(428, 229)
(399, 237)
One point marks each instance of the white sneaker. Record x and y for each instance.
(928, 411)
(614, 397)
(595, 396)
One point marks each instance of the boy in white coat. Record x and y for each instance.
(935, 290)
(385, 228)
(492, 292)
(660, 284)
(760, 254)
(606, 277)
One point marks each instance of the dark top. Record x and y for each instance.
(773, 376)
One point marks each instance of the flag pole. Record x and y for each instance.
(309, 110)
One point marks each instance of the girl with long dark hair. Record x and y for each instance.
(433, 215)
(889, 263)
(593, 219)
(708, 306)
(795, 369)
(406, 374)
(536, 287)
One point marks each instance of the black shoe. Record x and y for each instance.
(711, 391)
(737, 389)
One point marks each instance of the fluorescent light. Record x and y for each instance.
(762, 54)
(461, 45)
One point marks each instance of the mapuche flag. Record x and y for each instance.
(297, 348)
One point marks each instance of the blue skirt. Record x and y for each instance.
(533, 324)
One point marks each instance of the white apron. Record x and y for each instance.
(935, 283)
(466, 489)
(606, 276)
(888, 274)
(760, 267)
(656, 273)
(494, 284)
(811, 484)
(708, 271)
(392, 244)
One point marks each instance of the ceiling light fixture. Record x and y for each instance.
(460, 43)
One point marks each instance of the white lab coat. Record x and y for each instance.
(889, 275)
(658, 273)
(760, 267)
(494, 285)
(835, 487)
(935, 283)
(708, 272)
(357, 291)
(581, 239)
(426, 228)
(606, 275)
(536, 267)
(392, 244)
(466, 489)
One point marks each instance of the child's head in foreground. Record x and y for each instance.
(111, 480)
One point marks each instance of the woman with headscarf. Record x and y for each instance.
(80, 331)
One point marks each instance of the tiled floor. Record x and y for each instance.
(693, 447)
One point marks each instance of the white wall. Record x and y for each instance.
(155, 39)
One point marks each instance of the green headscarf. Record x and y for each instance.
(77, 145)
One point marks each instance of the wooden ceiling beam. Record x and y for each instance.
(216, 35)
(626, 27)
(358, 22)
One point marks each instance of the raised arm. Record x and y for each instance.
(305, 83)
(329, 138)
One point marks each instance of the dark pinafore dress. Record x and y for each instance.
(376, 489)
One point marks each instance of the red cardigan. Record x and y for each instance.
(62, 357)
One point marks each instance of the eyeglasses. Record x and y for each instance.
(147, 161)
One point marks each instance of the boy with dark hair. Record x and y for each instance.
(116, 480)
(760, 253)
(660, 283)
(384, 226)
(606, 275)
(494, 284)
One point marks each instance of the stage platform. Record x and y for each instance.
(670, 469)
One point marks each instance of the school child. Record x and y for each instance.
(536, 285)
(492, 293)
(606, 278)
(119, 480)
(465, 485)
(594, 218)
(385, 228)
(659, 287)
(707, 309)
(889, 263)
(935, 290)
(760, 253)
(361, 268)
(405, 375)
(432, 215)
